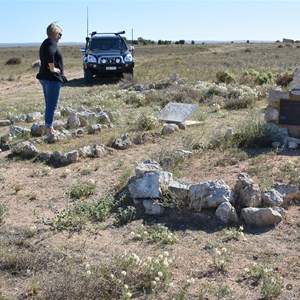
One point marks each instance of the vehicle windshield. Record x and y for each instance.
(107, 43)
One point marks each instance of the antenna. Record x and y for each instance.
(87, 21)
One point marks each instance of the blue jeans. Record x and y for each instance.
(51, 91)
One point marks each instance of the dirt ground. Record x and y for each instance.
(29, 196)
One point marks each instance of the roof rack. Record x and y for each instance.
(115, 33)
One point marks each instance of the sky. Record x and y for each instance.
(23, 21)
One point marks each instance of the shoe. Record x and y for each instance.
(51, 131)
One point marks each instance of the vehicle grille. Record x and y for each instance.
(110, 60)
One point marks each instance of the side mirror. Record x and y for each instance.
(131, 48)
(82, 49)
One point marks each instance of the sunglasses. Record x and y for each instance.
(60, 34)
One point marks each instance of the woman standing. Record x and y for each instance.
(51, 73)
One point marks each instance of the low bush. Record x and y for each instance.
(13, 61)
(284, 80)
(225, 77)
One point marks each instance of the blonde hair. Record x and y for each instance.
(53, 28)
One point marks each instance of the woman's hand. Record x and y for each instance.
(53, 69)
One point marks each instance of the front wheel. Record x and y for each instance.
(129, 75)
(88, 77)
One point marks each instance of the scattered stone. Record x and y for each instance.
(5, 139)
(92, 129)
(146, 167)
(122, 143)
(45, 156)
(37, 130)
(248, 193)
(86, 151)
(73, 121)
(271, 114)
(226, 213)
(169, 128)
(179, 193)
(18, 119)
(153, 207)
(210, 194)
(69, 157)
(4, 123)
(258, 217)
(25, 150)
(289, 193)
(66, 111)
(36, 64)
(150, 185)
(33, 117)
(272, 198)
(19, 132)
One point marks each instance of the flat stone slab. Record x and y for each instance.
(177, 112)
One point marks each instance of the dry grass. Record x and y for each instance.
(78, 255)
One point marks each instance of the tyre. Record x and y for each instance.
(128, 75)
(88, 77)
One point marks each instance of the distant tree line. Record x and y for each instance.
(142, 41)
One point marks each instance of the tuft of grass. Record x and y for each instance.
(234, 233)
(82, 189)
(225, 77)
(3, 212)
(74, 217)
(125, 215)
(124, 277)
(156, 234)
(271, 283)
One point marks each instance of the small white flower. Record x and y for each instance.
(91, 181)
(160, 274)
(112, 276)
(123, 273)
(165, 263)
(87, 266)
(88, 273)
(128, 295)
(166, 254)
(156, 279)
(126, 287)
(153, 283)
(218, 252)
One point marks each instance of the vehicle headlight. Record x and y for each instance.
(128, 58)
(91, 59)
(103, 60)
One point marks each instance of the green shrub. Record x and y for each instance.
(125, 215)
(125, 277)
(156, 234)
(255, 133)
(233, 104)
(82, 189)
(148, 122)
(13, 61)
(75, 217)
(225, 77)
(263, 78)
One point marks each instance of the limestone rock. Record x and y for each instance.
(226, 213)
(257, 217)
